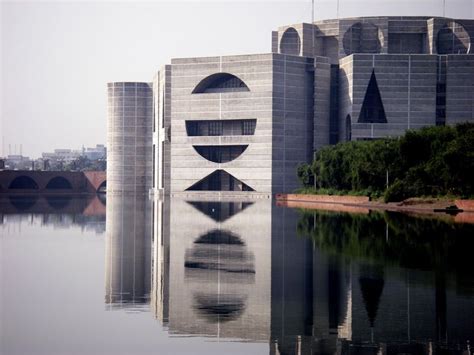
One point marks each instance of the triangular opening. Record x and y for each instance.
(372, 108)
(220, 180)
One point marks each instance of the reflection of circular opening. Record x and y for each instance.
(221, 251)
(290, 42)
(453, 39)
(23, 203)
(219, 307)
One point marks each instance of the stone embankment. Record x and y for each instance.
(362, 204)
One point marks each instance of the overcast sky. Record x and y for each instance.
(56, 57)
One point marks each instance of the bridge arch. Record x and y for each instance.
(102, 187)
(58, 183)
(23, 203)
(23, 182)
(58, 202)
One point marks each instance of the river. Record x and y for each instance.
(133, 275)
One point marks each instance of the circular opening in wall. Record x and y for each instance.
(363, 38)
(290, 42)
(453, 39)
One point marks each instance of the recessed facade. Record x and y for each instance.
(244, 123)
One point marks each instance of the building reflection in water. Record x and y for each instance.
(128, 252)
(306, 282)
(219, 262)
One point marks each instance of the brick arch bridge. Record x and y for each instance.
(19, 181)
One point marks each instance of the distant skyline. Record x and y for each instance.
(57, 57)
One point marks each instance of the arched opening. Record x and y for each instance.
(102, 187)
(58, 183)
(220, 154)
(220, 83)
(290, 42)
(348, 128)
(102, 198)
(453, 39)
(23, 182)
(363, 38)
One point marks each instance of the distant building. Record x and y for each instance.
(244, 123)
(17, 162)
(64, 155)
(99, 152)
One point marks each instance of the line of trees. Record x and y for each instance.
(433, 161)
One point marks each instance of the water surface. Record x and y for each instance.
(134, 276)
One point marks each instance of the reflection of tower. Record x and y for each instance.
(291, 283)
(219, 269)
(128, 250)
(161, 260)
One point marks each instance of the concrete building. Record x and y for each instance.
(244, 123)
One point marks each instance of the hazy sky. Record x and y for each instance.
(56, 57)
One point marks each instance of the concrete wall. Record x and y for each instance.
(337, 38)
(292, 123)
(254, 166)
(407, 85)
(129, 137)
(162, 130)
(460, 89)
(322, 99)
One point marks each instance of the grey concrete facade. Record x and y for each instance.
(129, 126)
(244, 123)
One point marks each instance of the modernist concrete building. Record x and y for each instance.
(244, 123)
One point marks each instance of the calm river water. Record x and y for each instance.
(128, 275)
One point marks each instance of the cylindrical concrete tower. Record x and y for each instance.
(129, 137)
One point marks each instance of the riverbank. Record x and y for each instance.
(362, 204)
